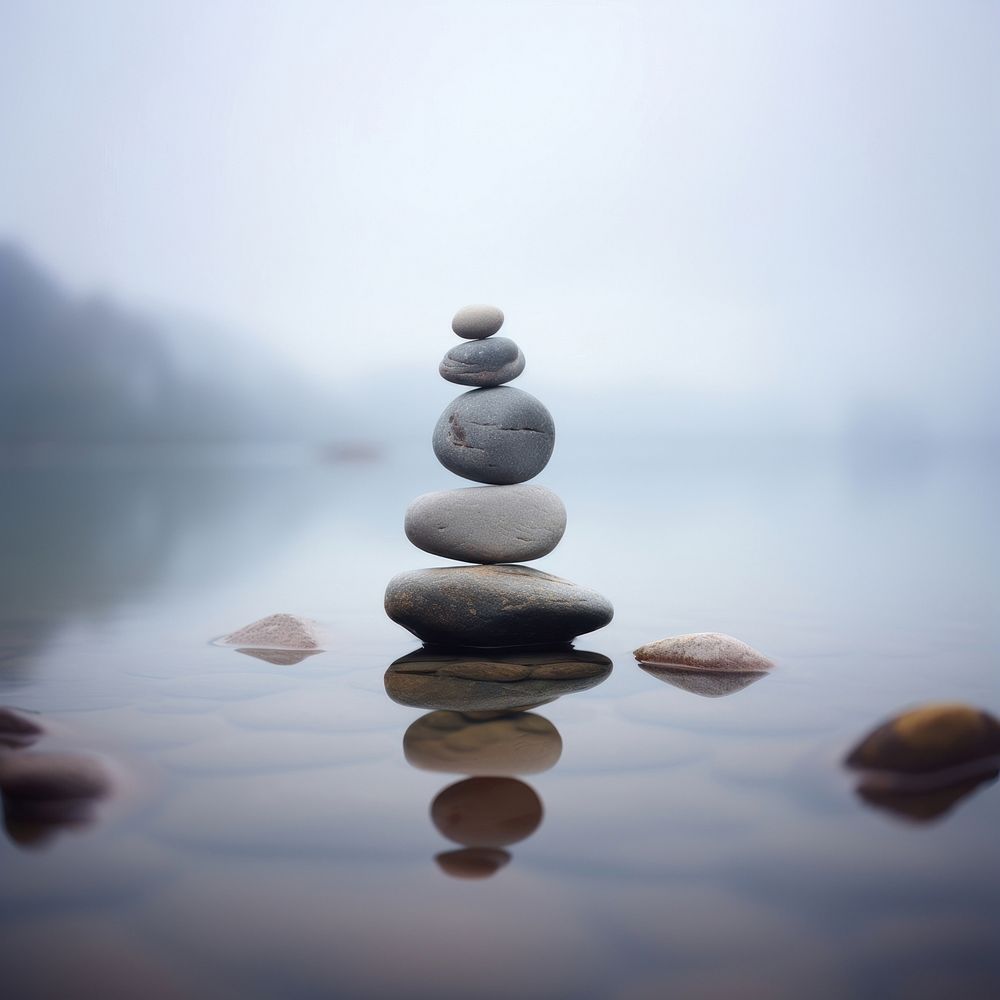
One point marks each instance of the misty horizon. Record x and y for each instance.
(789, 212)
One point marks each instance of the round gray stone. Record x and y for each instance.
(477, 322)
(483, 362)
(493, 606)
(487, 524)
(501, 436)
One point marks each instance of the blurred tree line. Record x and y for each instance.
(85, 370)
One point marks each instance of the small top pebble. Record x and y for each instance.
(477, 322)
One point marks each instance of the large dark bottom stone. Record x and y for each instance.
(493, 606)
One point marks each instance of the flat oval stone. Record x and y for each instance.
(493, 606)
(485, 683)
(929, 738)
(483, 362)
(704, 651)
(519, 743)
(487, 812)
(487, 524)
(501, 436)
(477, 322)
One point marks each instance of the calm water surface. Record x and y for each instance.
(270, 839)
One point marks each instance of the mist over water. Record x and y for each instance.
(783, 217)
(749, 255)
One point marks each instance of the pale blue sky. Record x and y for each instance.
(796, 200)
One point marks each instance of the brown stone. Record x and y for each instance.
(929, 738)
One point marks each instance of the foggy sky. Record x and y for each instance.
(794, 201)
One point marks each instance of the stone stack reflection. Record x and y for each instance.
(503, 437)
(480, 725)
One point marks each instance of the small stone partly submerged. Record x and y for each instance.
(476, 322)
(483, 363)
(487, 524)
(520, 743)
(704, 651)
(927, 739)
(282, 639)
(40, 777)
(18, 730)
(487, 812)
(493, 606)
(493, 681)
(922, 763)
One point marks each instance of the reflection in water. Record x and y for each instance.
(492, 680)
(280, 657)
(922, 763)
(487, 812)
(479, 727)
(44, 793)
(707, 683)
(472, 862)
(922, 804)
(79, 540)
(520, 743)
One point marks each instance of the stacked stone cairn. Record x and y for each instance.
(500, 436)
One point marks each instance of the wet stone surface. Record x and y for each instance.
(493, 606)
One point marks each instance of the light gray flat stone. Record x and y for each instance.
(487, 524)
(501, 436)
(483, 363)
(477, 322)
(493, 606)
